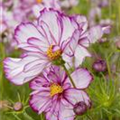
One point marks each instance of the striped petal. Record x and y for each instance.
(59, 29)
(82, 78)
(22, 70)
(26, 32)
(74, 96)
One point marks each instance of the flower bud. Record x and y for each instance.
(99, 66)
(80, 108)
(18, 106)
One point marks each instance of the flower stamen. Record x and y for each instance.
(55, 89)
(53, 55)
(38, 1)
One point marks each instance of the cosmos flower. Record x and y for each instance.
(7, 3)
(102, 3)
(62, 37)
(12, 15)
(9, 19)
(2, 25)
(7, 25)
(42, 44)
(76, 51)
(35, 6)
(94, 14)
(107, 22)
(54, 95)
(6, 19)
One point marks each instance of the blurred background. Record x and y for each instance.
(104, 63)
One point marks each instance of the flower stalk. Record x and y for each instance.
(41, 117)
(2, 49)
(69, 75)
(27, 116)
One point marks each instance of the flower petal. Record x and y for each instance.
(66, 111)
(74, 96)
(40, 101)
(22, 70)
(53, 111)
(82, 21)
(84, 41)
(69, 26)
(69, 50)
(95, 33)
(57, 74)
(40, 45)
(51, 116)
(46, 4)
(36, 10)
(52, 27)
(27, 31)
(59, 29)
(39, 82)
(75, 52)
(61, 111)
(82, 78)
(80, 54)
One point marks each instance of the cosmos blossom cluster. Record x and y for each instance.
(53, 45)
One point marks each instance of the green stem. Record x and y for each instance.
(2, 49)
(89, 117)
(41, 117)
(1, 73)
(117, 63)
(16, 117)
(27, 116)
(69, 76)
(110, 8)
(109, 117)
(118, 24)
(108, 67)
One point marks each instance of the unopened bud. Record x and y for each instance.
(99, 66)
(80, 108)
(18, 106)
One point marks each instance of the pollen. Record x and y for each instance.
(55, 89)
(38, 1)
(53, 55)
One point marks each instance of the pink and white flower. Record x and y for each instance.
(7, 24)
(54, 95)
(6, 19)
(60, 37)
(76, 51)
(10, 18)
(35, 6)
(42, 44)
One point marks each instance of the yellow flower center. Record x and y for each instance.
(55, 89)
(53, 55)
(38, 1)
